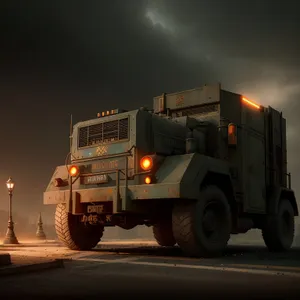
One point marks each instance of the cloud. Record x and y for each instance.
(158, 20)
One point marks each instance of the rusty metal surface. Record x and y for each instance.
(135, 192)
(190, 98)
(178, 177)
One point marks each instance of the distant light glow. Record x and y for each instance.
(10, 184)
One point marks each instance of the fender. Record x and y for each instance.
(199, 170)
(60, 172)
(190, 171)
(278, 194)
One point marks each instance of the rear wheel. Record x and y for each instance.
(163, 233)
(278, 231)
(75, 234)
(203, 228)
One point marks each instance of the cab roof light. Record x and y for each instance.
(251, 103)
(110, 112)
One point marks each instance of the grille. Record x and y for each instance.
(105, 132)
(196, 110)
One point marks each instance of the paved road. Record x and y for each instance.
(143, 271)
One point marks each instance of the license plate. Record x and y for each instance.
(95, 179)
(99, 209)
(97, 219)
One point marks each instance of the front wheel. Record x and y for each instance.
(74, 234)
(203, 228)
(163, 233)
(278, 231)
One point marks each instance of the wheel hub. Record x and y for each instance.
(286, 224)
(210, 221)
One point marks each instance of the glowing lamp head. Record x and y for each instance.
(146, 163)
(73, 171)
(10, 184)
(148, 180)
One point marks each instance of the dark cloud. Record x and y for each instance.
(63, 57)
(250, 29)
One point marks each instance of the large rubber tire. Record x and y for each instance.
(297, 236)
(163, 233)
(74, 234)
(191, 224)
(278, 232)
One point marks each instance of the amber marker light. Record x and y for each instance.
(148, 180)
(74, 171)
(146, 163)
(232, 134)
(251, 103)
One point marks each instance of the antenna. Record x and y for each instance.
(71, 130)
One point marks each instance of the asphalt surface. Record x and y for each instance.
(147, 271)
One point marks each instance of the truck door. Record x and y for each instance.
(253, 159)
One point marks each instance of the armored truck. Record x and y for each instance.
(199, 166)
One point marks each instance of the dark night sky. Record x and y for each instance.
(82, 57)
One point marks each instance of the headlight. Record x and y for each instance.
(146, 163)
(73, 171)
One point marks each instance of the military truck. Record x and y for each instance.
(201, 165)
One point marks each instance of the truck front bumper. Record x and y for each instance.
(134, 192)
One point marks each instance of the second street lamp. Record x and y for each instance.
(10, 237)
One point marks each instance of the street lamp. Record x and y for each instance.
(10, 237)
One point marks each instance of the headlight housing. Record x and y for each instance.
(146, 163)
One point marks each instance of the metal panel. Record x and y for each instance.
(198, 96)
(196, 111)
(230, 107)
(231, 112)
(253, 160)
(168, 137)
(277, 153)
(284, 153)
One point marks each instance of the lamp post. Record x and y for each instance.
(10, 237)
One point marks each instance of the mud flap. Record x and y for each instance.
(73, 204)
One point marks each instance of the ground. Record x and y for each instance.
(142, 267)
